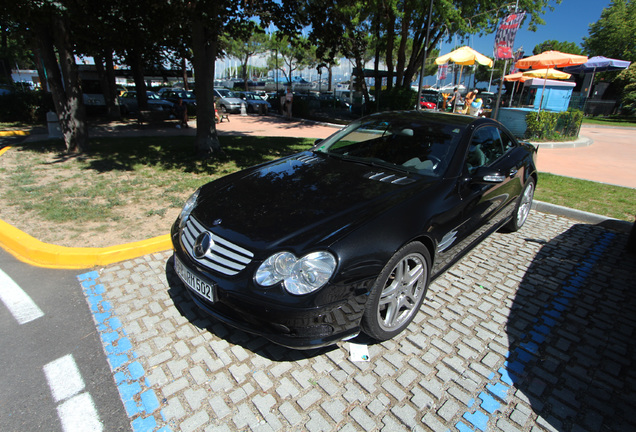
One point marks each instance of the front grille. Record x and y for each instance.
(223, 256)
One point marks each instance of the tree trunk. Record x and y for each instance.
(204, 47)
(64, 83)
(184, 72)
(390, 36)
(106, 73)
(401, 55)
(137, 67)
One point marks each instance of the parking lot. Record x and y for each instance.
(531, 331)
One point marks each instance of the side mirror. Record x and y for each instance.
(486, 175)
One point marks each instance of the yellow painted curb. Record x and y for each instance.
(4, 150)
(13, 133)
(32, 251)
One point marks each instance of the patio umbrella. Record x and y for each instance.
(464, 56)
(548, 60)
(546, 74)
(598, 64)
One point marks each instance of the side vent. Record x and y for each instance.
(308, 159)
(389, 178)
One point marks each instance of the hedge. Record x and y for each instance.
(551, 126)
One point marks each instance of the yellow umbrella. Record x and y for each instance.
(464, 56)
(546, 74)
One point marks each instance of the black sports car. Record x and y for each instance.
(318, 246)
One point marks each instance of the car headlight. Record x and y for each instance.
(187, 208)
(299, 276)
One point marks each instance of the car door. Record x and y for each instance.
(486, 190)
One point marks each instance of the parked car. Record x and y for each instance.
(173, 95)
(345, 238)
(129, 104)
(430, 99)
(228, 101)
(255, 103)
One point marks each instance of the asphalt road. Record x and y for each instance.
(54, 374)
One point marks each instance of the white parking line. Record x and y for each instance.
(77, 412)
(18, 302)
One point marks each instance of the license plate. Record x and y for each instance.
(195, 283)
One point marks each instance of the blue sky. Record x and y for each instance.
(569, 22)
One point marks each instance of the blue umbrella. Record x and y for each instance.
(598, 64)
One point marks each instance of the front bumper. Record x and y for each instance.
(289, 325)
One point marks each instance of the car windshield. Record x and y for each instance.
(427, 97)
(226, 94)
(419, 146)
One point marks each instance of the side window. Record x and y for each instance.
(486, 146)
(507, 142)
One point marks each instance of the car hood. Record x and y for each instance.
(305, 199)
(233, 100)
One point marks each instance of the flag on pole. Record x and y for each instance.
(442, 72)
(506, 33)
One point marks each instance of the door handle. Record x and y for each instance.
(513, 172)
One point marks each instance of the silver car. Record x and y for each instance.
(228, 101)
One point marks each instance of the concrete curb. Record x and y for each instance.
(581, 141)
(10, 133)
(589, 218)
(32, 251)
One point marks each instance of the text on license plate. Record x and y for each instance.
(193, 282)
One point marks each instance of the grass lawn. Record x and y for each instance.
(610, 121)
(607, 200)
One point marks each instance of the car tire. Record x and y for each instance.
(223, 109)
(522, 208)
(398, 292)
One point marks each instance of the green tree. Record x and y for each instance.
(626, 79)
(613, 34)
(209, 21)
(51, 26)
(553, 45)
(400, 27)
(289, 54)
(245, 49)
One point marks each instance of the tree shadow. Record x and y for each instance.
(171, 152)
(256, 344)
(572, 332)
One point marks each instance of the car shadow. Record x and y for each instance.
(256, 344)
(571, 332)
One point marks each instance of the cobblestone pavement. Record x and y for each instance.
(531, 331)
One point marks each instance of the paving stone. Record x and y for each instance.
(211, 377)
(194, 422)
(335, 409)
(287, 389)
(309, 399)
(290, 413)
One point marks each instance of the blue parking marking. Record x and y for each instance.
(140, 401)
(527, 352)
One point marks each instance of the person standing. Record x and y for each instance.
(457, 97)
(289, 98)
(469, 99)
